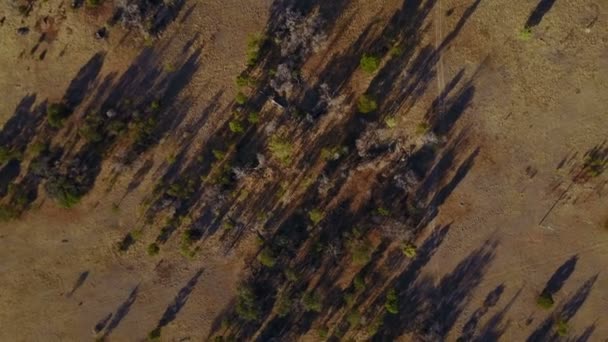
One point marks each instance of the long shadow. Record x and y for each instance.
(565, 312)
(121, 312)
(539, 12)
(180, 300)
(79, 282)
(558, 279)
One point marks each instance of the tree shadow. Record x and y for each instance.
(565, 312)
(558, 279)
(539, 12)
(179, 301)
(121, 312)
(81, 279)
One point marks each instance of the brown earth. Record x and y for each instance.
(538, 105)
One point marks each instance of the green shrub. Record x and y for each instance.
(545, 301)
(218, 154)
(369, 63)
(312, 301)
(323, 332)
(240, 98)
(392, 302)
(116, 127)
(181, 189)
(155, 105)
(246, 306)
(359, 283)
(91, 129)
(334, 152)
(236, 126)
(267, 258)
(291, 274)
(354, 318)
(56, 113)
(254, 47)
(361, 250)
(390, 122)
(154, 335)
(143, 129)
(153, 249)
(366, 104)
(348, 297)
(94, 3)
(525, 33)
(422, 128)
(8, 212)
(283, 305)
(595, 164)
(382, 211)
(64, 190)
(245, 81)
(281, 149)
(253, 118)
(316, 216)
(561, 327)
(409, 250)
(7, 155)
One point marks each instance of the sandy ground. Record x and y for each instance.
(536, 102)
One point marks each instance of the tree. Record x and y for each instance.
(366, 104)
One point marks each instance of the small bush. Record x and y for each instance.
(56, 113)
(366, 104)
(316, 216)
(312, 301)
(267, 258)
(545, 301)
(283, 305)
(218, 154)
(153, 249)
(94, 3)
(354, 318)
(334, 152)
(392, 302)
(154, 335)
(281, 149)
(369, 63)
(116, 127)
(390, 122)
(254, 47)
(361, 250)
(155, 105)
(240, 98)
(7, 155)
(253, 118)
(291, 275)
(236, 126)
(525, 34)
(561, 327)
(422, 128)
(323, 333)
(246, 306)
(8, 212)
(64, 190)
(382, 211)
(359, 283)
(409, 250)
(245, 81)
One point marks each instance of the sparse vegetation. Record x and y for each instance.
(316, 215)
(267, 258)
(8, 212)
(390, 122)
(94, 3)
(247, 307)
(253, 118)
(366, 104)
(369, 63)
(7, 154)
(153, 249)
(525, 34)
(422, 128)
(312, 301)
(240, 98)
(562, 328)
(281, 149)
(236, 126)
(154, 335)
(254, 48)
(354, 318)
(545, 301)
(64, 190)
(392, 302)
(361, 250)
(409, 250)
(283, 305)
(56, 113)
